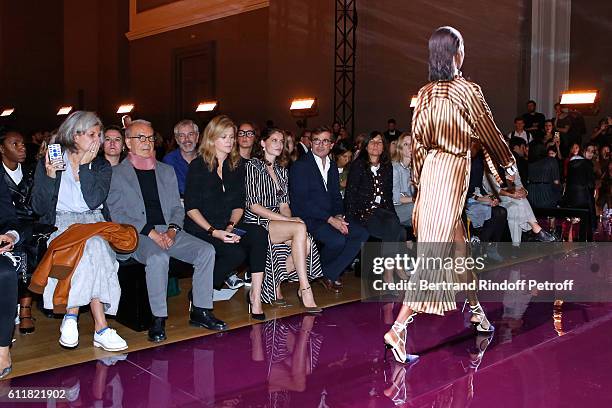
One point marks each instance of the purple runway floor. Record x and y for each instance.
(337, 360)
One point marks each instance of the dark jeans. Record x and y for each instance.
(253, 247)
(493, 229)
(338, 250)
(8, 300)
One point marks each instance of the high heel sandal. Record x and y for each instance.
(256, 316)
(309, 309)
(399, 347)
(483, 325)
(479, 350)
(26, 330)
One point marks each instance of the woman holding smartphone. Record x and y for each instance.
(214, 203)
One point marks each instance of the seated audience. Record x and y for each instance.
(544, 183)
(214, 203)
(186, 135)
(604, 200)
(403, 189)
(602, 134)
(369, 191)
(144, 193)
(601, 164)
(114, 145)
(520, 152)
(19, 177)
(72, 192)
(482, 209)
(519, 131)
(247, 133)
(290, 149)
(563, 124)
(574, 151)
(513, 197)
(392, 133)
(343, 156)
(304, 145)
(315, 198)
(534, 121)
(580, 183)
(9, 237)
(292, 254)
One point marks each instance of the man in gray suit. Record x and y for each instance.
(144, 193)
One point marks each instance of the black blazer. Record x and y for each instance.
(8, 215)
(309, 199)
(21, 193)
(95, 183)
(360, 189)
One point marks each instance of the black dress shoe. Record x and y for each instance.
(157, 331)
(544, 236)
(201, 317)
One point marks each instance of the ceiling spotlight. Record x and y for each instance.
(126, 108)
(64, 110)
(208, 106)
(586, 102)
(413, 101)
(7, 112)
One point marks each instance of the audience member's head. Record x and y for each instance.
(475, 147)
(531, 106)
(343, 135)
(551, 151)
(247, 133)
(446, 53)
(219, 143)
(321, 141)
(574, 150)
(336, 126)
(12, 147)
(604, 152)
(549, 127)
(186, 133)
(404, 148)
(140, 138)
(392, 147)
(271, 146)
(558, 109)
(79, 132)
(375, 149)
(290, 148)
(359, 141)
(519, 146)
(305, 137)
(519, 124)
(589, 150)
(342, 153)
(113, 144)
(391, 124)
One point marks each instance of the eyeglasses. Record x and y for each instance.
(325, 142)
(144, 138)
(185, 135)
(246, 133)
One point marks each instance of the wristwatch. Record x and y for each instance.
(230, 224)
(174, 227)
(211, 230)
(511, 171)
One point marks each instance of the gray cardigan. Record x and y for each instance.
(95, 181)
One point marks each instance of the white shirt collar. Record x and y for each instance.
(16, 175)
(323, 169)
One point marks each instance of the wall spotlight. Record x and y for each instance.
(64, 110)
(207, 106)
(125, 108)
(303, 108)
(586, 102)
(7, 112)
(413, 101)
(302, 104)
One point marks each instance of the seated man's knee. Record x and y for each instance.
(159, 258)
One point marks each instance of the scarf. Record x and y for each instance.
(142, 163)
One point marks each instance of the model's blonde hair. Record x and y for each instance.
(212, 132)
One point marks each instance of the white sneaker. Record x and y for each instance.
(70, 333)
(109, 340)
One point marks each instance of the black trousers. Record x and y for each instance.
(493, 229)
(252, 248)
(8, 301)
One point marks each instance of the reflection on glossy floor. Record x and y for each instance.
(545, 356)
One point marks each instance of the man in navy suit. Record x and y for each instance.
(314, 188)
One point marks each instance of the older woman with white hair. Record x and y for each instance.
(74, 192)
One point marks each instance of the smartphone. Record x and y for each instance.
(55, 154)
(239, 232)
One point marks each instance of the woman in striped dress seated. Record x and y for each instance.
(292, 254)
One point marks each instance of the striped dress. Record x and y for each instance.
(447, 116)
(260, 189)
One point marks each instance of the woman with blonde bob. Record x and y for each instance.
(214, 203)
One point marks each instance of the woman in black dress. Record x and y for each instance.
(214, 203)
(369, 191)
